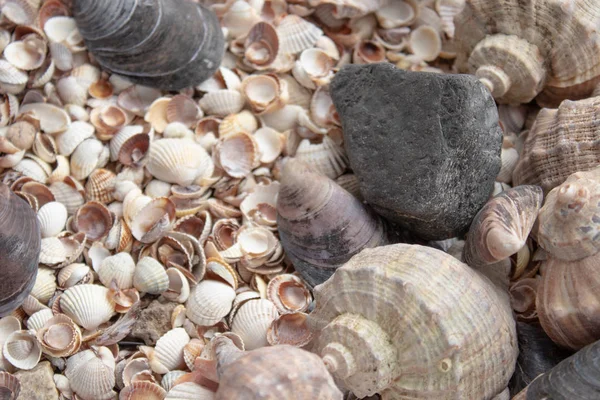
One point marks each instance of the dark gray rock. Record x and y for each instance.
(424, 146)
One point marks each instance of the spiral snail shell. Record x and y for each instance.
(169, 44)
(20, 241)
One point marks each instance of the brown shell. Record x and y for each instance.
(561, 142)
(320, 224)
(20, 241)
(408, 321)
(502, 226)
(570, 219)
(568, 301)
(534, 44)
(271, 373)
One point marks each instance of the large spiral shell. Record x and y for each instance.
(408, 321)
(169, 44)
(20, 241)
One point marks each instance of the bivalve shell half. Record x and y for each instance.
(252, 321)
(153, 220)
(22, 350)
(289, 293)
(142, 390)
(150, 276)
(52, 217)
(265, 93)
(45, 285)
(93, 219)
(297, 34)
(290, 329)
(179, 287)
(261, 46)
(237, 154)
(77, 132)
(87, 305)
(37, 320)
(327, 157)
(100, 186)
(52, 119)
(91, 373)
(168, 352)
(183, 109)
(119, 268)
(209, 302)
(397, 13)
(88, 156)
(222, 102)
(179, 161)
(60, 336)
(10, 386)
(190, 391)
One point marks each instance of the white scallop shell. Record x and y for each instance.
(170, 377)
(150, 276)
(72, 274)
(179, 161)
(45, 285)
(91, 373)
(71, 92)
(252, 321)
(209, 302)
(22, 350)
(52, 218)
(169, 351)
(11, 75)
(53, 119)
(38, 319)
(222, 102)
(87, 305)
(88, 156)
(297, 34)
(119, 268)
(121, 137)
(327, 157)
(189, 391)
(77, 132)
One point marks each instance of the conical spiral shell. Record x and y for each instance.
(408, 321)
(271, 373)
(502, 226)
(551, 42)
(320, 224)
(20, 242)
(561, 142)
(185, 37)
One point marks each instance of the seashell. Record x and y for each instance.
(86, 74)
(222, 102)
(289, 294)
(45, 285)
(42, 194)
(209, 301)
(243, 121)
(502, 226)
(119, 268)
(137, 99)
(326, 157)
(145, 25)
(11, 386)
(179, 287)
(425, 43)
(129, 145)
(52, 218)
(143, 390)
(108, 119)
(237, 154)
(89, 155)
(150, 276)
(322, 110)
(37, 320)
(189, 391)
(52, 119)
(59, 336)
(345, 313)
(573, 376)
(61, 57)
(153, 220)
(260, 205)
(306, 244)
(239, 19)
(509, 157)
(567, 222)
(71, 92)
(157, 114)
(9, 74)
(44, 146)
(94, 219)
(22, 350)
(91, 372)
(238, 372)
(517, 60)
(77, 132)
(252, 320)
(397, 13)
(101, 89)
(68, 192)
(61, 171)
(74, 274)
(19, 222)
(21, 134)
(177, 130)
(561, 142)
(168, 353)
(100, 186)
(368, 52)
(349, 8)
(169, 379)
(290, 329)
(448, 10)
(270, 144)
(156, 188)
(264, 93)
(11, 154)
(297, 34)
(87, 305)
(313, 68)
(183, 109)
(31, 305)
(178, 161)
(33, 168)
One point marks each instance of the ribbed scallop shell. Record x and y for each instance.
(565, 59)
(502, 226)
(320, 224)
(222, 102)
(100, 186)
(87, 305)
(189, 391)
(273, 373)
(349, 8)
(22, 350)
(37, 320)
(170, 377)
(453, 335)
(178, 161)
(52, 218)
(288, 293)
(119, 268)
(290, 329)
(169, 351)
(45, 285)
(10, 384)
(252, 321)
(237, 154)
(569, 222)
(150, 276)
(296, 34)
(209, 302)
(91, 373)
(88, 156)
(561, 142)
(326, 157)
(142, 390)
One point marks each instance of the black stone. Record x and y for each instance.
(424, 146)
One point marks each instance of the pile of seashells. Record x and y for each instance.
(149, 197)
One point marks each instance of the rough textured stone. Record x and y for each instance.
(425, 147)
(37, 383)
(154, 321)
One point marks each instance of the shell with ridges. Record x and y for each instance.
(150, 276)
(290, 329)
(22, 350)
(45, 285)
(91, 373)
(178, 161)
(252, 321)
(10, 384)
(119, 268)
(296, 34)
(59, 336)
(190, 391)
(326, 157)
(209, 301)
(168, 353)
(288, 293)
(432, 346)
(87, 305)
(52, 218)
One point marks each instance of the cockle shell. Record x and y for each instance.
(271, 373)
(296, 34)
(240, 18)
(499, 45)
(153, 220)
(178, 161)
(189, 391)
(369, 52)
(91, 373)
(10, 386)
(22, 350)
(150, 276)
(52, 119)
(326, 157)
(89, 155)
(568, 222)
(252, 320)
(168, 353)
(425, 349)
(130, 145)
(142, 391)
(397, 13)
(100, 186)
(209, 301)
(191, 40)
(265, 93)
(119, 268)
(59, 336)
(313, 68)
(425, 43)
(87, 305)
(311, 219)
(69, 192)
(349, 8)
(52, 218)
(45, 285)
(237, 154)
(179, 287)
(562, 141)
(222, 102)
(94, 219)
(289, 293)
(502, 226)
(261, 46)
(74, 274)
